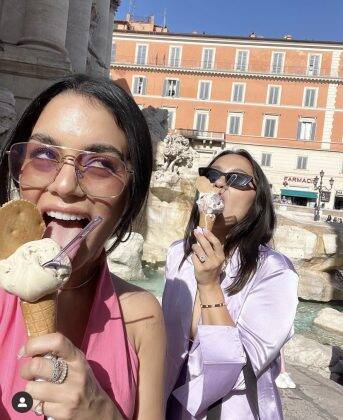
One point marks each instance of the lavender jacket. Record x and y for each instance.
(237, 365)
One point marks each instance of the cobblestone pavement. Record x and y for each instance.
(314, 397)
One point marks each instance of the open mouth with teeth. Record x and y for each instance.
(63, 227)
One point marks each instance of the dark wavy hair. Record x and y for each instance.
(255, 229)
(128, 117)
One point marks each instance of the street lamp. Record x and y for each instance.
(320, 188)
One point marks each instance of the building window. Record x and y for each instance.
(238, 92)
(171, 88)
(141, 54)
(277, 62)
(204, 90)
(241, 62)
(201, 121)
(266, 159)
(235, 123)
(207, 60)
(270, 126)
(113, 52)
(310, 97)
(139, 85)
(273, 95)
(306, 129)
(171, 118)
(302, 162)
(174, 56)
(313, 65)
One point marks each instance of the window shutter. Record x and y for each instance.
(299, 130)
(135, 85)
(165, 87)
(177, 89)
(232, 125)
(144, 86)
(313, 130)
(270, 98)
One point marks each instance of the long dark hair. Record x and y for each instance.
(128, 117)
(255, 229)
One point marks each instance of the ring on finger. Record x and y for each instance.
(59, 370)
(39, 409)
(202, 258)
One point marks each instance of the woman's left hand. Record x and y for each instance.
(79, 396)
(208, 258)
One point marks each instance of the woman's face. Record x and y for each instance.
(236, 202)
(76, 122)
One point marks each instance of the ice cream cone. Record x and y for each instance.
(40, 316)
(207, 220)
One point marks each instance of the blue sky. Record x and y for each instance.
(303, 19)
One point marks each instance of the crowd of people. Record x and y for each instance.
(334, 219)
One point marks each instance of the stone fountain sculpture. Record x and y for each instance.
(169, 203)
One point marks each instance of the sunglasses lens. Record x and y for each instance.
(213, 175)
(101, 175)
(33, 165)
(238, 180)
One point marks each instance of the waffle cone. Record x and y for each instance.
(40, 316)
(207, 220)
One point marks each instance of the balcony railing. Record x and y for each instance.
(202, 135)
(253, 67)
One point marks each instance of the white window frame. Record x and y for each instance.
(170, 55)
(296, 165)
(272, 61)
(209, 90)
(233, 91)
(268, 92)
(319, 64)
(270, 159)
(171, 78)
(135, 76)
(203, 57)
(234, 114)
(315, 97)
(173, 112)
(274, 117)
(236, 60)
(196, 113)
(304, 120)
(146, 55)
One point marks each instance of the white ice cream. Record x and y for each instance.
(210, 203)
(22, 273)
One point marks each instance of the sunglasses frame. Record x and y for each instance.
(203, 171)
(64, 160)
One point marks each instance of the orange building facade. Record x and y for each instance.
(280, 99)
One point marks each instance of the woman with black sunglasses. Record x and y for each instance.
(229, 303)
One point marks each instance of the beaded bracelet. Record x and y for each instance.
(216, 305)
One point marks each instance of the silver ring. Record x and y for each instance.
(202, 258)
(59, 370)
(39, 409)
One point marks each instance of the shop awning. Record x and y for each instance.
(298, 193)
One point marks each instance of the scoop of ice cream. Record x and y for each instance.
(22, 273)
(210, 203)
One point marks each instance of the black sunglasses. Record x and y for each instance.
(236, 180)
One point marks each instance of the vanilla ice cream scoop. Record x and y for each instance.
(22, 273)
(210, 203)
